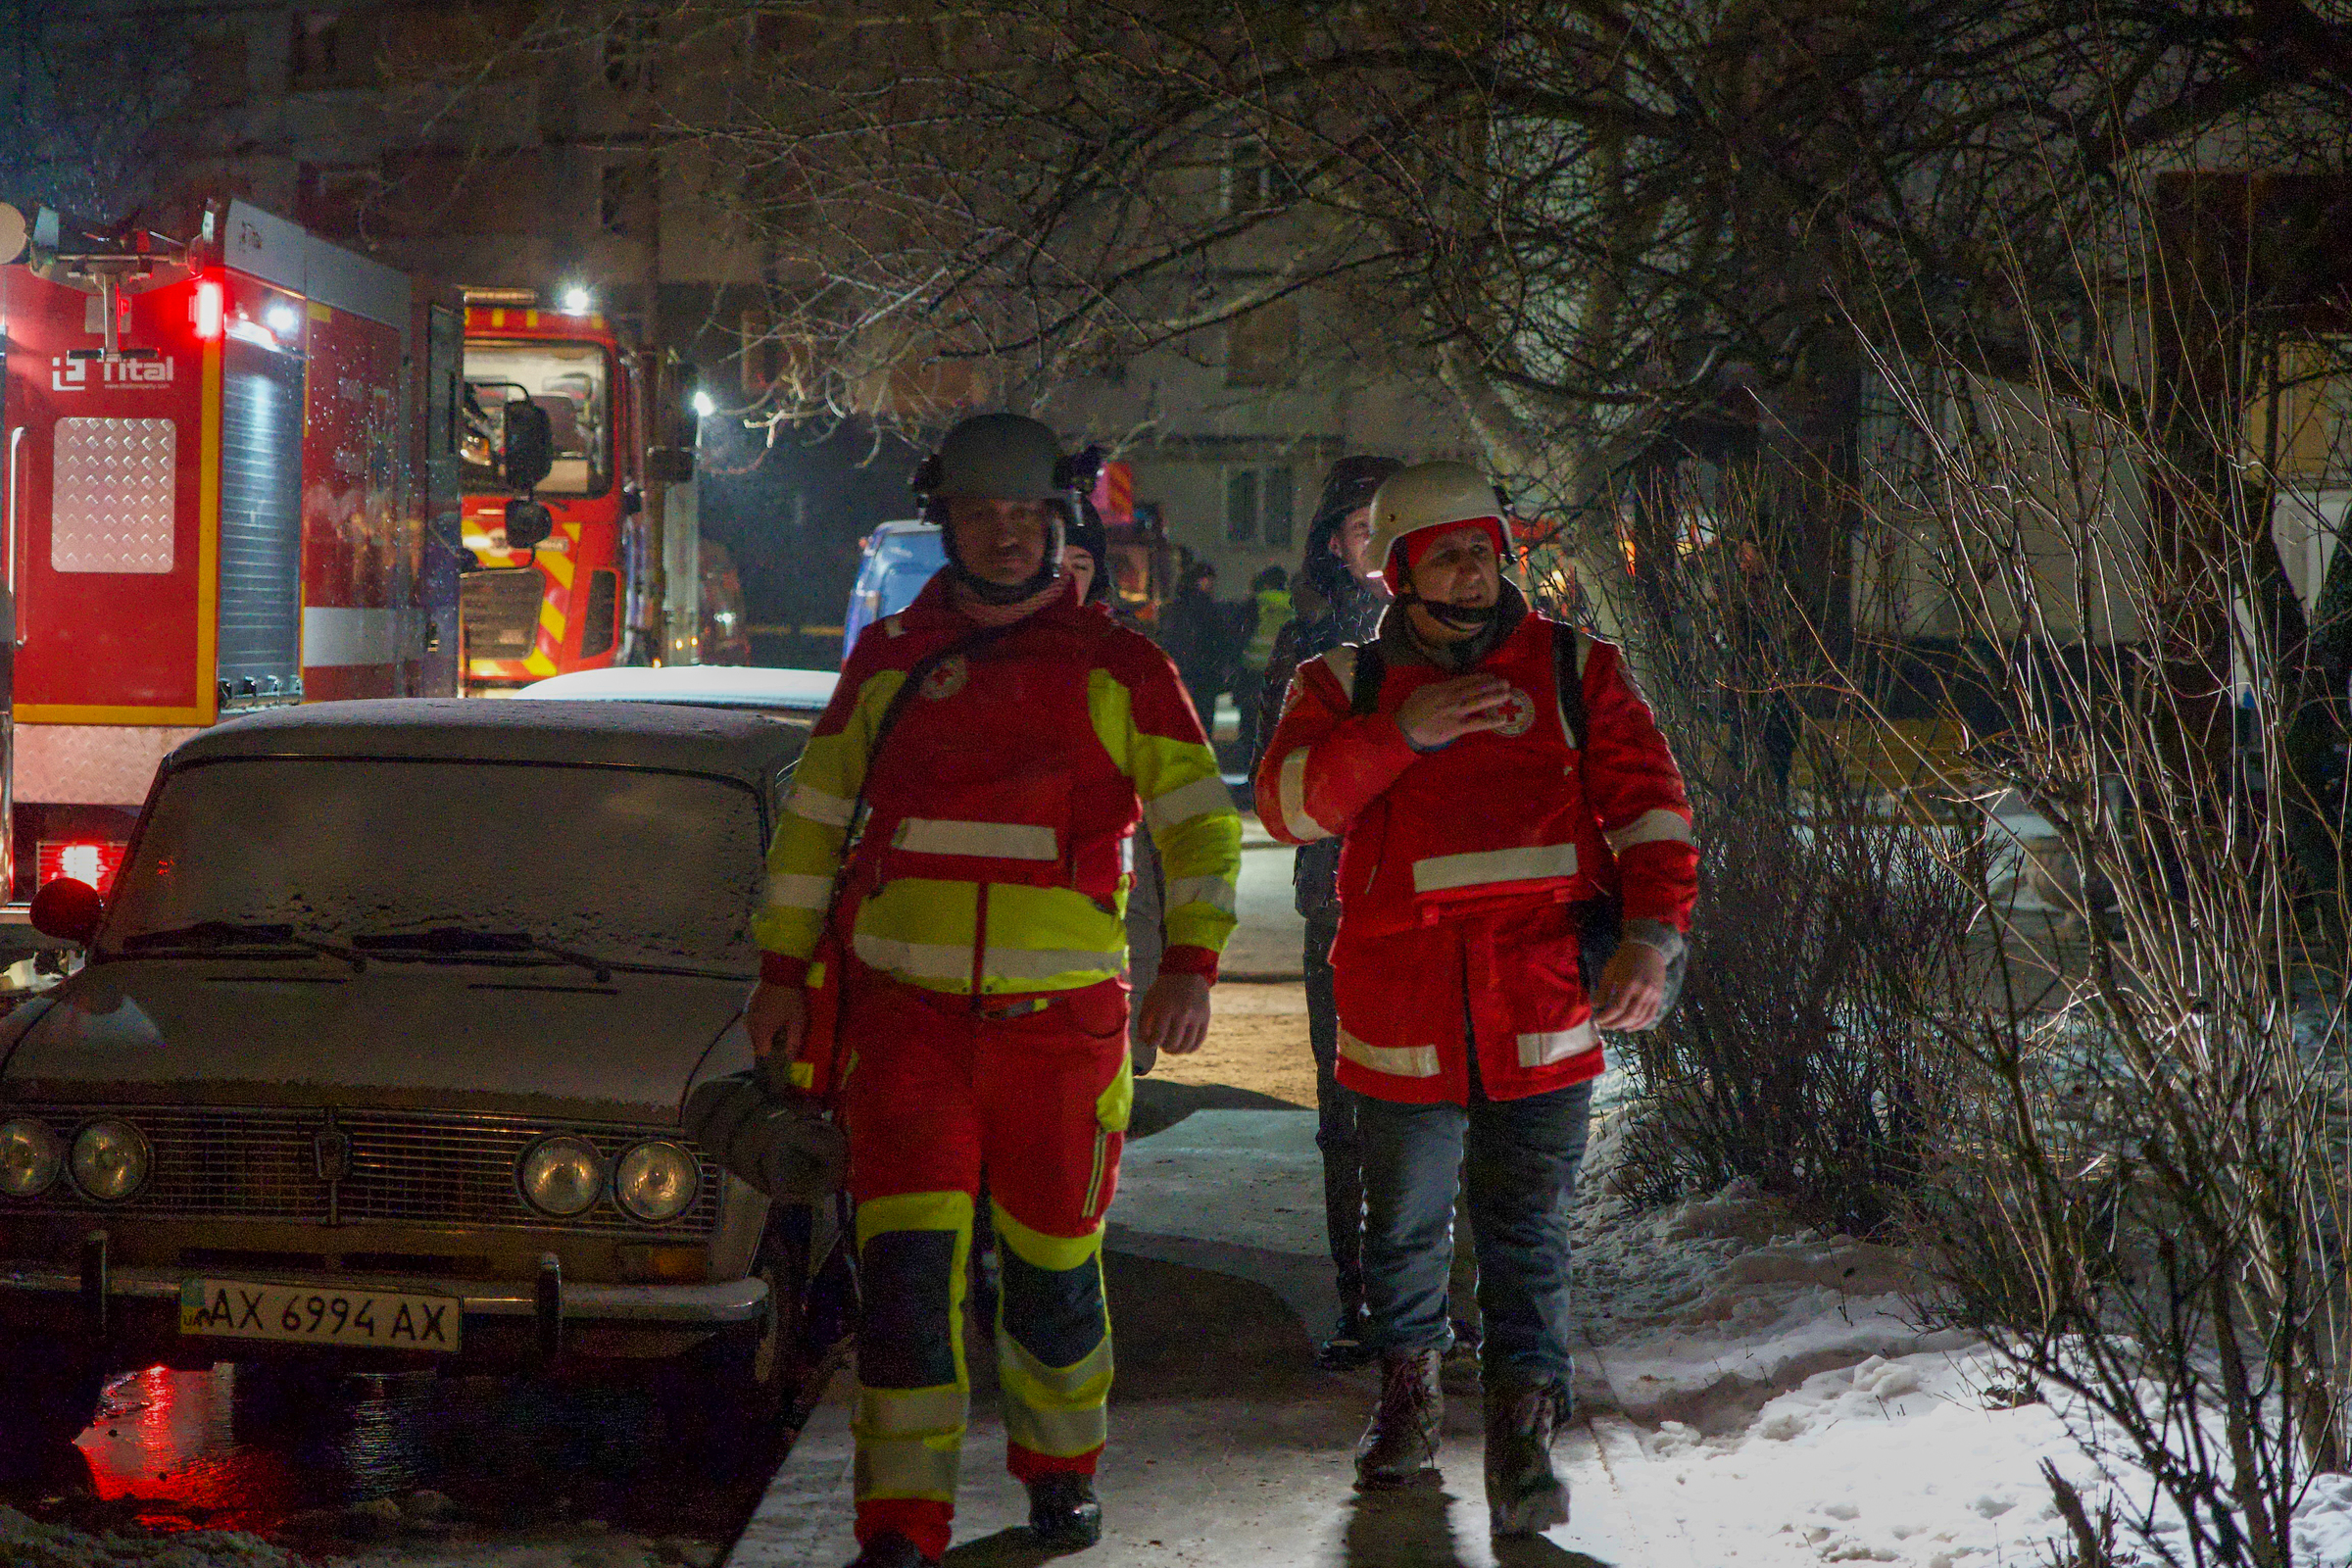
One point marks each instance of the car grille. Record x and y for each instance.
(404, 1168)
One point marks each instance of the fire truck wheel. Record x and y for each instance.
(45, 1400)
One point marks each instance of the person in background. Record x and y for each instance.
(1086, 557)
(1269, 611)
(1195, 634)
(1338, 599)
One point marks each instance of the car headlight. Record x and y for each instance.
(656, 1182)
(110, 1161)
(31, 1157)
(562, 1175)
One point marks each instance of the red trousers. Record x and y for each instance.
(1035, 1092)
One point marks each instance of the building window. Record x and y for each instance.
(1240, 507)
(621, 200)
(1254, 180)
(1261, 347)
(628, 50)
(1276, 492)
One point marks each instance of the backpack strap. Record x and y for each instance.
(1568, 653)
(1371, 669)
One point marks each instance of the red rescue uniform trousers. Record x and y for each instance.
(1035, 1091)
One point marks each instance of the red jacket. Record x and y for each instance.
(1462, 867)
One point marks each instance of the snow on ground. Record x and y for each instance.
(1790, 1411)
(28, 1544)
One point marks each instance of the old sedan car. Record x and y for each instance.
(378, 1057)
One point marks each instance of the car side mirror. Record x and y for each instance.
(528, 455)
(528, 523)
(68, 911)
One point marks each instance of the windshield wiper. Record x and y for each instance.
(457, 942)
(207, 936)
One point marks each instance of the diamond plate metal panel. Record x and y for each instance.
(114, 501)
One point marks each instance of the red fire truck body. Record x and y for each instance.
(233, 515)
(568, 604)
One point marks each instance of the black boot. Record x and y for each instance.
(890, 1550)
(1345, 1350)
(1401, 1446)
(1063, 1513)
(1524, 1496)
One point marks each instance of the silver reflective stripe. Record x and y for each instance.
(1398, 1061)
(792, 890)
(818, 807)
(908, 1467)
(891, 626)
(995, 840)
(911, 1412)
(1290, 794)
(952, 960)
(1440, 872)
(1055, 1410)
(1650, 827)
(1557, 1045)
(1200, 798)
(1213, 891)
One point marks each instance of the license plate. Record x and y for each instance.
(305, 1314)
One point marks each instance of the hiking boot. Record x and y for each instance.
(890, 1550)
(1063, 1513)
(1345, 1350)
(1524, 1496)
(1401, 1446)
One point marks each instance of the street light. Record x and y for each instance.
(577, 301)
(704, 405)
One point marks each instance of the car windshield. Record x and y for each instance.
(620, 865)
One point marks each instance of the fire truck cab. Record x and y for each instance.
(231, 483)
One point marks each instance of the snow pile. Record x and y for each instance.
(1774, 1403)
(28, 1544)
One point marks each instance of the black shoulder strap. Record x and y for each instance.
(1570, 684)
(1370, 670)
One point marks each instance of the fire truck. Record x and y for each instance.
(231, 483)
(597, 590)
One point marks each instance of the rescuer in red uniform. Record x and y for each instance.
(962, 820)
(1496, 778)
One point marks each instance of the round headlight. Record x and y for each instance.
(110, 1161)
(31, 1157)
(562, 1175)
(656, 1182)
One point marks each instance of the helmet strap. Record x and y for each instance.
(1049, 568)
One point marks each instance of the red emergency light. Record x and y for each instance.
(210, 310)
(84, 860)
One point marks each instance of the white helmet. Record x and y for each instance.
(1428, 495)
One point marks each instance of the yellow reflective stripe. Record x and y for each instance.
(1290, 794)
(1058, 1254)
(1543, 1049)
(908, 1467)
(1200, 798)
(1398, 1061)
(795, 890)
(1055, 1410)
(911, 1412)
(1115, 1104)
(1002, 841)
(914, 1211)
(1655, 825)
(814, 804)
(1440, 872)
(952, 960)
(1213, 891)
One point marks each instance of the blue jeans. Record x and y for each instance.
(1335, 1123)
(1516, 1162)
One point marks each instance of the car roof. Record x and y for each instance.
(906, 525)
(703, 685)
(747, 747)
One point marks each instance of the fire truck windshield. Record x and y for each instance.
(572, 381)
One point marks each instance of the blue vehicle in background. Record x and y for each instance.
(900, 558)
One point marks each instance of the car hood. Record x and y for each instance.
(454, 1037)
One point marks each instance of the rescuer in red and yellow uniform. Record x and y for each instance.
(1496, 779)
(1022, 735)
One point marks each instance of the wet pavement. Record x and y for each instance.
(327, 1465)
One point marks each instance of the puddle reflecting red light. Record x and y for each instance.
(165, 1440)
